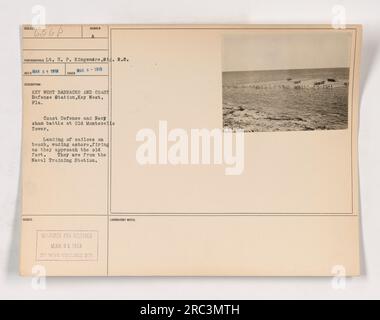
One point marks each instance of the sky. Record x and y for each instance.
(284, 49)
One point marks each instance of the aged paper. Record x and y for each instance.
(190, 150)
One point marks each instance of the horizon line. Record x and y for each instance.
(286, 69)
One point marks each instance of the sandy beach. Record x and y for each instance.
(315, 100)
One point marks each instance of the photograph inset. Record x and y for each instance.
(286, 81)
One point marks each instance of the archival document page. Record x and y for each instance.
(190, 150)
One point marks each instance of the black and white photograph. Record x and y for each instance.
(286, 81)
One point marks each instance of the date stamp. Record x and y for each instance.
(67, 245)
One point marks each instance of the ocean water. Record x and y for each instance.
(247, 106)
